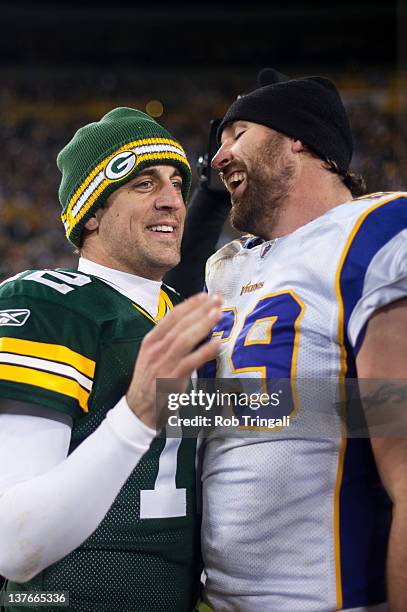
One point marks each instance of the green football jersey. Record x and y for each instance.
(68, 342)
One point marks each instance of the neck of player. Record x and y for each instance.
(314, 192)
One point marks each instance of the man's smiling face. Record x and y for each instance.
(254, 163)
(140, 227)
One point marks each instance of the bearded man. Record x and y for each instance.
(301, 520)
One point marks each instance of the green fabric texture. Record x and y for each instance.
(87, 176)
(131, 562)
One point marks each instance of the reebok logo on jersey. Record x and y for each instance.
(14, 317)
(249, 288)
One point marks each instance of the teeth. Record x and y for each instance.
(161, 228)
(235, 177)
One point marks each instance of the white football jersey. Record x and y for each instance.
(299, 523)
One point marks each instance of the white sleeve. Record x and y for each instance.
(385, 282)
(51, 503)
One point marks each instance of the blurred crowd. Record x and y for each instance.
(38, 121)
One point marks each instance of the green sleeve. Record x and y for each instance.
(48, 354)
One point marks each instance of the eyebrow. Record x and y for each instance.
(154, 172)
(240, 123)
(232, 127)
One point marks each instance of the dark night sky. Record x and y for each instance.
(351, 35)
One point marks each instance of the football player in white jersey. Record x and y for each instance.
(296, 522)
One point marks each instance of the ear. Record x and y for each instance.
(92, 223)
(297, 146)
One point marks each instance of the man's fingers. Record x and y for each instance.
(167, 352)
(194, 306)
(185, 337)
(168, 343)
(197, 358)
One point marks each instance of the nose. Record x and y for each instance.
(222, 158)
(169, 198)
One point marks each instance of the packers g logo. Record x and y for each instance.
(120, 165)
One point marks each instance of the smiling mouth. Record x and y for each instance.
(162, 230)
(234, 180)
(166, 229)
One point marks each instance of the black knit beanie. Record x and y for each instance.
(309, 109)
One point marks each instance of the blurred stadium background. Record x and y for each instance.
(66, 63)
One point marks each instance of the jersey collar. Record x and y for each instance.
(143, 291)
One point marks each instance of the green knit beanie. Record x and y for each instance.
(103, 156)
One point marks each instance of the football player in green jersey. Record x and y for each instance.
(92, 502)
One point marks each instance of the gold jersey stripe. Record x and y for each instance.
(104, 162)
(52, 352)
(164, 305)
(203, 607)
(167, 299)
(45, 380)
(144, 312)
